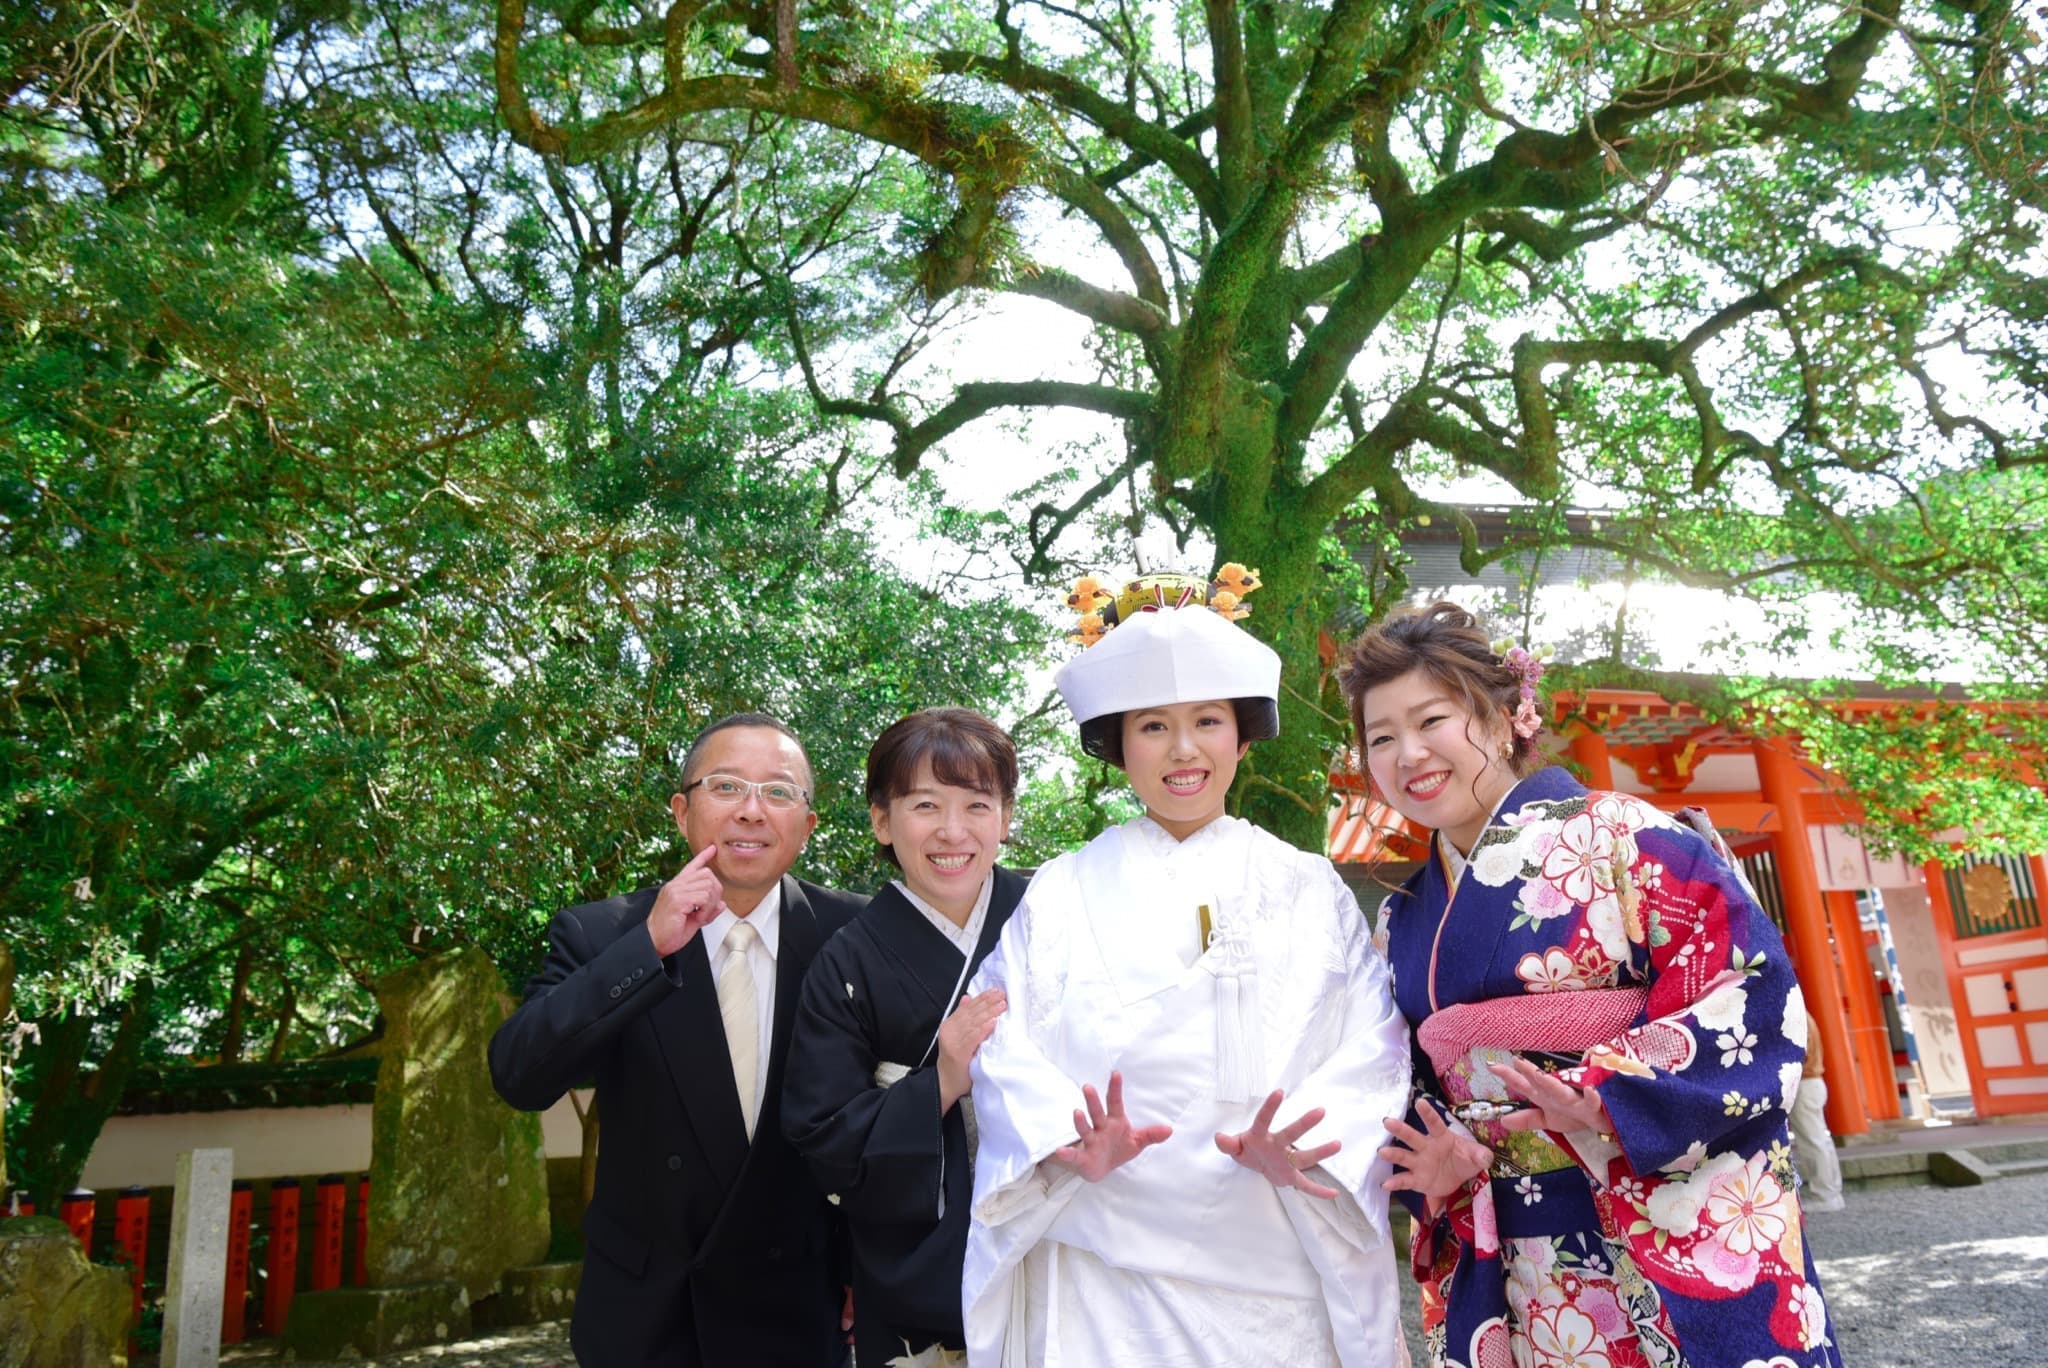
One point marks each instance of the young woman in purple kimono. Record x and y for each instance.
(1608, 1040)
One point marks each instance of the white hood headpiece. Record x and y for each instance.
(1170, 644)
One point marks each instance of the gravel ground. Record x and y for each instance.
(1956, 1277)
(1917, 1277)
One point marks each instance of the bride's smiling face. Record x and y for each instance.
(1181, 759)
(1430, 758)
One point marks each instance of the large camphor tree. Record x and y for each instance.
(1763, 281)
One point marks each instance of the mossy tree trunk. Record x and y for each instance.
(6, 1010)
(72, 1101)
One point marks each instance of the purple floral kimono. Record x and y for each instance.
(1677, 1239)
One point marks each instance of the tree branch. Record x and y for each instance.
(878, 411)
(1117, 228)
(1111, 308)
(977, 398)
(985, 163)
(1192, 126)
(1048, 521)
(1166, 146)
(1235, 133)
(1537, 167)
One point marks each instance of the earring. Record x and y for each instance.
(1507, 752)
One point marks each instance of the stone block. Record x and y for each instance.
(529, 1296)
(1958, 1168)
(1909, 1165)
(458, 1180)
(369, 1322)
(57, 1310)
(195, 1284)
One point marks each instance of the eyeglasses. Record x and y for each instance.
(729, 790)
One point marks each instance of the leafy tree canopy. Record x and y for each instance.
(1765, 282)
(412, 428)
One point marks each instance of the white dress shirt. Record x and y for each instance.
(766, 920)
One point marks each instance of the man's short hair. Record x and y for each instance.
(694, 755)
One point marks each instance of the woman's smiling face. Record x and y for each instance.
(946, 838)
(1431, 759)
(1181, 759)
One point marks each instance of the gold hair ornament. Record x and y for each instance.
(1100, 610)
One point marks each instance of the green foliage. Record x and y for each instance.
(1937, 782)
(378, 527)
(1067, 801)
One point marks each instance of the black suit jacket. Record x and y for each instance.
(701, 1248)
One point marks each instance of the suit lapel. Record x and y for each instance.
(797, 944)
(692, 1038)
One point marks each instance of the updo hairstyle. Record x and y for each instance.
(1444, 642)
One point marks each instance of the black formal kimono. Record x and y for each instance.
(875, 995)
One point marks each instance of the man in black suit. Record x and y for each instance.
(708, 1242)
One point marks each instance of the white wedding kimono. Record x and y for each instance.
(1183, 1256)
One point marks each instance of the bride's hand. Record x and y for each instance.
(1106, 1139)
(1271, 1154)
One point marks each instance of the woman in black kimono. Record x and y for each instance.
(876, 1092)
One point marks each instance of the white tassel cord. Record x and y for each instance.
(1230, 1064)
(1237, 1047)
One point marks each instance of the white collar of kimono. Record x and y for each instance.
(1143, 889)
(964, 938)
(1455, 860)
(1162, 842)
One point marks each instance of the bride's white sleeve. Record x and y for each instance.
(1023, 1103)
(1365, 1078)
(1023, 1110)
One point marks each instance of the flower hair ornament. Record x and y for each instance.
(1527, 667)
(1102, 608)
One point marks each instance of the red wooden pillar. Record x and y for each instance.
(359, 1278)
(281, 1268)
(76, 1211)
(131, 1240)
(234, 1304)
(1589, 748)
(1870, 1040)
(1806, 924)
(330, 1206)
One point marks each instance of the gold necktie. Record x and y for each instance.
(742, 1017)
